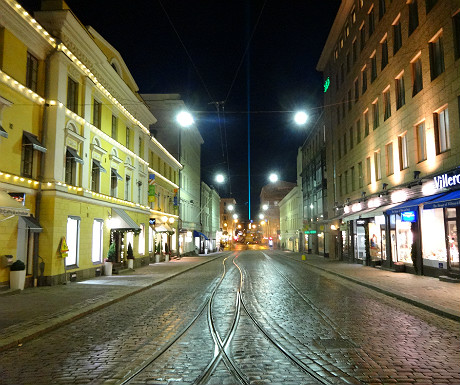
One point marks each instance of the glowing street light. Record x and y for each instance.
(185, 119)
(261, 216)
(300, 118)
(230, 207)
(235, 216)
(273, 177)
(265, 207)
(220, 178)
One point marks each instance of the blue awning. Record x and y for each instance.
(411, 205)
(451, 199)
(197, 234)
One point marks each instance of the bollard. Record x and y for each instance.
(304, 257)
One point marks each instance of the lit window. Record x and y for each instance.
(73, 241)
(403, 154)
(421, 141)
(441, 126)
(436, 57)
(96, 253)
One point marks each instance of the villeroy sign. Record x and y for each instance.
(443, 181)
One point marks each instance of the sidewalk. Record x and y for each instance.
(429, 293)
(35, 311)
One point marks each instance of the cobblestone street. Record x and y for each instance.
(338, 331)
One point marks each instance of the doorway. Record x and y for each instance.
(452, 226)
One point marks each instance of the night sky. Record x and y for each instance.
(276, 76)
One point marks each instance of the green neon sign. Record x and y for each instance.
(327, 83)
(310, 232)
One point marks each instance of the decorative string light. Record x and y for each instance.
(157, 174)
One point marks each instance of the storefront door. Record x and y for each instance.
(452, 227)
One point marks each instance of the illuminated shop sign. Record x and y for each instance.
(408, 216)
(327, 83)
(310, 232)
(443, 181)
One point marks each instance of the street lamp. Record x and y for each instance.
(185, 119)
(235, 216)
(261, 216)
(273, 177)
(230, 207)
(300, 118)
(265, 207)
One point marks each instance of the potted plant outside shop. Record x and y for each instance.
(17, 275)
(130, 257)
(111, 257)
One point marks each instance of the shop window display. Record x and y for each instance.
(375, 241)
(360, 244)
(433, 235)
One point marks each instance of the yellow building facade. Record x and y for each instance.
(77, 157)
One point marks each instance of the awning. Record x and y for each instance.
(123, 221)
(32, 224)
(451, 199)
(72, 153)
(3, 132)
(411, 205)
(97, 164)
(197, 234)
(9, 206)
(32, 140)
(163, 228)
(116, 174)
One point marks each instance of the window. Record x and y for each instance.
(368, 170)
(366, 123)
(27, 158)
(340, 185)
(347, 30)
(371, 22)
(417, 80)
(349, 100)
(96, 254)
(375, 114)
(127, 137)
(386, 104)
(355, 51)
(139, 192)
(346, 181)
(73, 240)
(142, 239)
(382, 9)
(348, 62)
(429, 4)
(413, 16)
(363, 36)
(31, 72)
(360, 175)
(96, 114)
(364, 79)
(441, 127)
(95, 176)
(436, 57)
(358, 131)
(390, 162)
(397, 36)
(114, 127)
(128, 187)
(456, 27)
(377, 165)
(351, 138)
(356, 90)
(71, 160)
(421, 141)
(114, 178)
(373, 67)
(72, 95)
(352, 175)
(141, 147)
(342, 73)
(345, 149)
(403, 154)
(343, 108)
(353, 16)
(384, 45)
(400, 92)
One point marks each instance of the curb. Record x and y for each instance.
(69, 318)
